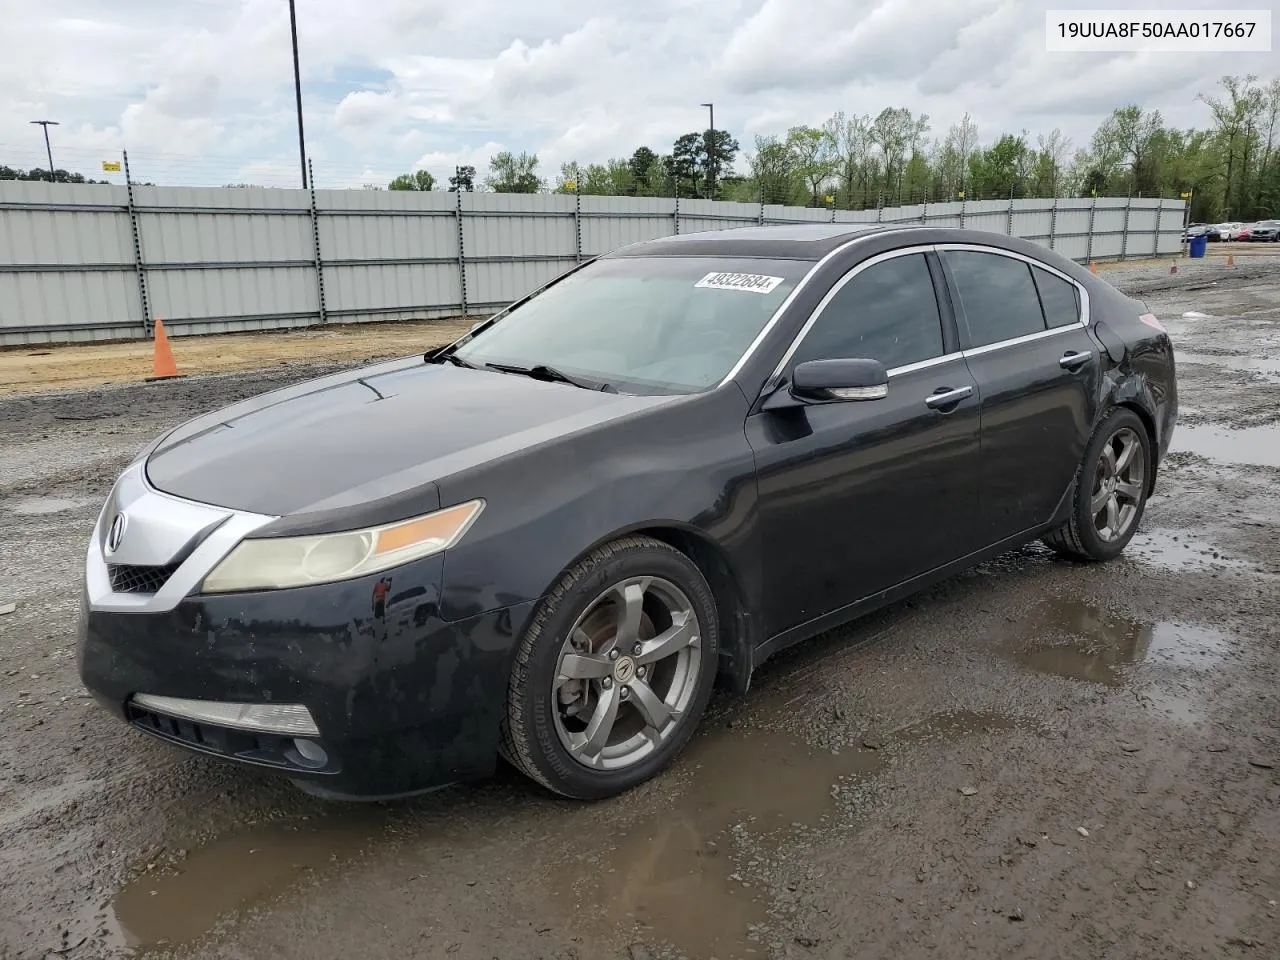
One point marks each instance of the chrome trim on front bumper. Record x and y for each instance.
(161, 529)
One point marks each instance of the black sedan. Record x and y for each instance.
(549, 540)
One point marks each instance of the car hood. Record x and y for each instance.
(369, 434)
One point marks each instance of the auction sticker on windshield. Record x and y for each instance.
(739, 281)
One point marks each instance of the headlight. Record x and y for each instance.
(276, 563)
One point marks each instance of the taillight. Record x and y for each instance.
(1151, 320)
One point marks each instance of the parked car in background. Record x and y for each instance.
(551, 538)
(1229, 231)
(1265, 230)
(1201, 229)
(1244, 235)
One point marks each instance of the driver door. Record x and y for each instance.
(858, 496)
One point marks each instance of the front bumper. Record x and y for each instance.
(404, 701)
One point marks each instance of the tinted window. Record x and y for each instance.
(888, 312)
(1060, 298)
(998, 295)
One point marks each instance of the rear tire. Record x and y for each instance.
(614, 672)
(1109, 494)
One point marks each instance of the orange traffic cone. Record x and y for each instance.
(1231, 259)
(163, 365)
(1093, 267)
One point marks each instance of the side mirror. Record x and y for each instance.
(831, 380)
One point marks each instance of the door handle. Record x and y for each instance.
(947, 398)
(1074, 360)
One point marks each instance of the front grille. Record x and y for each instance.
(127, 578)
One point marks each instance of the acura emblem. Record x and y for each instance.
(116, 533)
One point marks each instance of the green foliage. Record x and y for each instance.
(513, 173)
(418, 180)
(463, 180)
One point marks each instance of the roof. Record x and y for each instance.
(798, 241)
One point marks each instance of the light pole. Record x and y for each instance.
(711, 150)
(47, 149)
(297, 89)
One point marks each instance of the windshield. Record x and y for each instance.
(643, 324)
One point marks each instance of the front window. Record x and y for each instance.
(643, 324)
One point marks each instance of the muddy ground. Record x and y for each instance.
(1034, 759)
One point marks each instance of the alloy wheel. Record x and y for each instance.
(1118, 485)
(627, 673)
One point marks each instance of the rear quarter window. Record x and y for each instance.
(1059, 298)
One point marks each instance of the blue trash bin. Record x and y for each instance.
(1199, 245)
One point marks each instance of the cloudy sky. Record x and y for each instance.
(201, 91)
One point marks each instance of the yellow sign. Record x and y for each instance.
(111, 166)
(961, 194)
(1186, 196)
(571, 184)
(830, 198)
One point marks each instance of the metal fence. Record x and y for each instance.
(85, 262)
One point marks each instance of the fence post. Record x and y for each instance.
(315, 238)
(677, 213)
(924, 211)
(1053, 223)
(1124, 236)
(462, 256)
(577, 221)
(139, 265)
(1155, 232)
(762, 205)
(963, 200)
(1009, 225)
(880, 207)
(1093, 210)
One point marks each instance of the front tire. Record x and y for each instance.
(1110, 491)
(614, 672)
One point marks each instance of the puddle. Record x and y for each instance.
(1269, 366)
(673, 873)
(173, 906)
(37, 506)
(1175, 551)
(1257, 446)
(1080, 642)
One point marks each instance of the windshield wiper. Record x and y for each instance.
(541, 371)
(451, 358)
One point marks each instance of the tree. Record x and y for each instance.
(513, 173)
(811, 154)
(952, 163)
(641, 162)
(1126, 137)
(684, 163)
(719, 149)
(463, 179)
(418, 180)
(849, 143)
(999, 170)
(897, 132)
(774, 170)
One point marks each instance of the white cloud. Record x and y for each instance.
(390, 85)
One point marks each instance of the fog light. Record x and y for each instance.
(311, 752)
(292, 719)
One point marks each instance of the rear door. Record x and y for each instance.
(1023, 332)
(858, 496)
